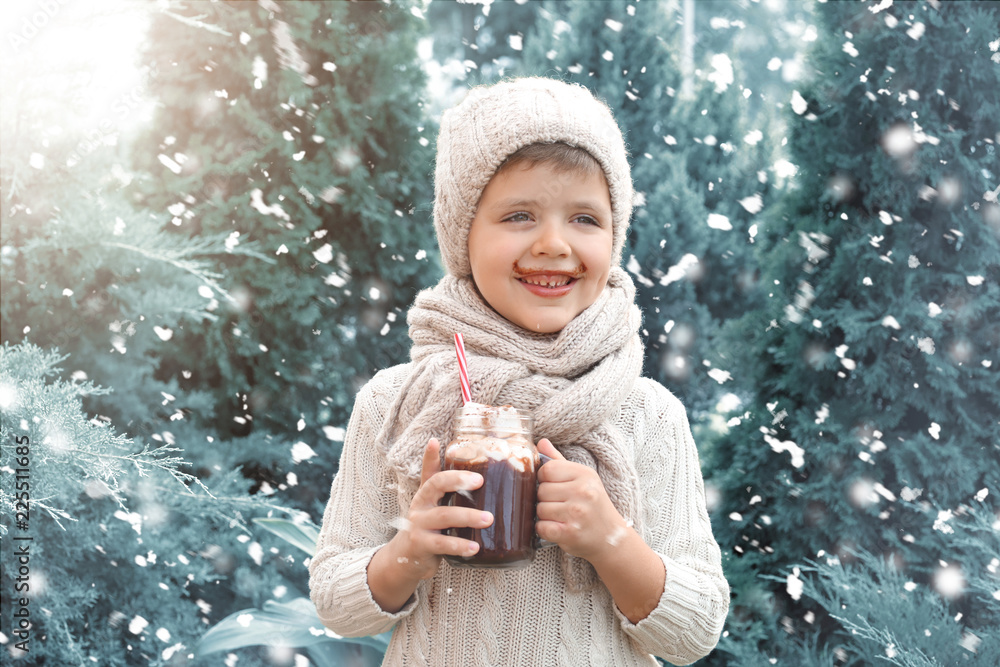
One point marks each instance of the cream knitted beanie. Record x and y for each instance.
(494, 121)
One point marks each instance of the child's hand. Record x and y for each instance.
(421, 543)
(574, 509)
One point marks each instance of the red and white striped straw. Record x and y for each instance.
(463, 368)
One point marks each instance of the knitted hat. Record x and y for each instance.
(493, 122)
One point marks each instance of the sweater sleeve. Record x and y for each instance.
(688, 620)
(357, 523)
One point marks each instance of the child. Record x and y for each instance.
(532, 199)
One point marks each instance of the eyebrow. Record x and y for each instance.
(528, 203)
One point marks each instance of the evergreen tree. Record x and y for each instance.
(118, 570)
(298, 128)
(875, 357)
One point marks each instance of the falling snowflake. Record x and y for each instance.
(137, 625)
(301, 452)
(799, 104)
(325, 254)
(719, 221)
(752, 204)
(794, 584)
(722, 72)
(720, 375)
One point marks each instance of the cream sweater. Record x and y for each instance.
(525, 617)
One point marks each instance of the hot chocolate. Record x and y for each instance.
(496, 443)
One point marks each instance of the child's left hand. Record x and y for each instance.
(574, 509)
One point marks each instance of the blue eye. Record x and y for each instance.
(520, 216)
(586, 219)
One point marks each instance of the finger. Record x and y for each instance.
(546, 447)
(552, 531)
(549, 511)
(443, 517)
(440, 483)
(432, 460)
(555, 492)
(561, 471)
(446, 545)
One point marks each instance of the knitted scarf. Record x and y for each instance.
(573, 382)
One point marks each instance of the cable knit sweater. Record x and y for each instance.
(526, 617)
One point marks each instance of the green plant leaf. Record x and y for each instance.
(293, 623)
(302, 535)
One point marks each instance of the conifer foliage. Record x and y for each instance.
(298, 128)
(874, 427)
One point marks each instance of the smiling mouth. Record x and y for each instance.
(548, 280)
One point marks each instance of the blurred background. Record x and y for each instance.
(216, 214)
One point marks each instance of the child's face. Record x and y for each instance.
(540, 244)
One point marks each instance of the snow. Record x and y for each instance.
(796, 452)
(325, 254)
(785, 169)
(884, 4)
(679, 270)
(949, 581)
(516, 42)
(975, 281)
(774, 64)
(799, 104)
(137, 625)
(822, 414)
(720, 375)
(794, 585)
(334, 433)
(752, 204)
(169, 163)
(719, 221)
(722, 72)
(37, 161)
(917, 31)
(935, 430)
(899, 141)
(607, 55)
(890, 321)
(926, 345)
(257, 203)
(615, 25)
(302, 452)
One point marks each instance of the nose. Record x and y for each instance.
(551, 241)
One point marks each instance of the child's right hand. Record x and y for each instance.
(421, 543)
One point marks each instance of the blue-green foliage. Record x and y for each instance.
(875, 358)
(117, 527)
